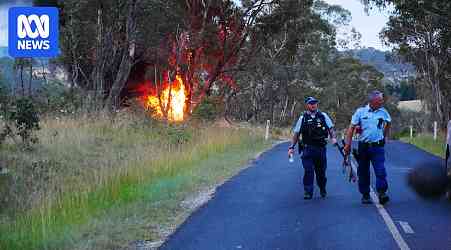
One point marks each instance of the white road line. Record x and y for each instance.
(401, 168)
(406, 227)
(387, 219)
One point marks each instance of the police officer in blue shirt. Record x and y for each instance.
(315, 127)
(372, 122)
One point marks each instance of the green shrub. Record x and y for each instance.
(21, 118)
(55, 97)
(208, 110)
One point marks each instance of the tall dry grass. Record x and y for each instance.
(85, 165)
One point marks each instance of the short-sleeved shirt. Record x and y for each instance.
(298, 126)
(372, 123)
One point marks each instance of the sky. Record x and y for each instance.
(367, 25)
(4, 6)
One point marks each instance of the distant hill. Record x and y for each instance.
(381, 60)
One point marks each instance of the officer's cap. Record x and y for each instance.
(311, 100)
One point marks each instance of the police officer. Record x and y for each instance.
(315, 127)
(372, 122)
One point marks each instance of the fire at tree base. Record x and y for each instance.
(429, 180)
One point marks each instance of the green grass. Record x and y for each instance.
(427, 143)
(121, 181)
(159, 205)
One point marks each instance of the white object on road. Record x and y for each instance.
(406, 227)
(387, 219)
(268, 122)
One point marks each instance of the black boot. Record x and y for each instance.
(383, 198)
(366, 199)
(323, 192)
(308, 195)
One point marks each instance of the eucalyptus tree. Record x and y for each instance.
(421, 32)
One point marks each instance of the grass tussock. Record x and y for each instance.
(83, 167)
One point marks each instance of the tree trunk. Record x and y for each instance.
(21, 79)
(128, 55)
(292, 109)
(31, 77)
(438, 92)
(100, 61)
(284, 111)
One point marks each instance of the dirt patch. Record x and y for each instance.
(194, 202)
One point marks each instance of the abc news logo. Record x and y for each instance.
(33, 32)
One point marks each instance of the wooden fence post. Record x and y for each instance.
(268, 122)
(435, 131)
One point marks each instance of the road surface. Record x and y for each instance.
(263, 208)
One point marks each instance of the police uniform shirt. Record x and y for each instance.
(297, 128)
(372, 123)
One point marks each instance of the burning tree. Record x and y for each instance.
(201, 57)
(192, 45)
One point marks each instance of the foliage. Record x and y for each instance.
(4, 107)
(345, 84)
(201, 40)
(55, 97)
(208, 110)
(421, 33)
(18, 117)
(7, 71)
(291, 42)
(406, 91)
(25, 118)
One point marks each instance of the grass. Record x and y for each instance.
(97, 184)
(427, 143)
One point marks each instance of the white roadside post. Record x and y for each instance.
(411, 131)
(448, 135)
(435, 131)
(268, 122)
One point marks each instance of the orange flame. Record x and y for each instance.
(172, 100)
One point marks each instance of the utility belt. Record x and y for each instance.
(314, 146)
(303, 145)
(380, 143)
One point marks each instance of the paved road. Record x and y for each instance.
(263, 208)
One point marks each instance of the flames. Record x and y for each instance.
(170, 102)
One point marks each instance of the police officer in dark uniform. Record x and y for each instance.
(373, 124)
(315, 127)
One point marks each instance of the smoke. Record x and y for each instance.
(4, 6)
